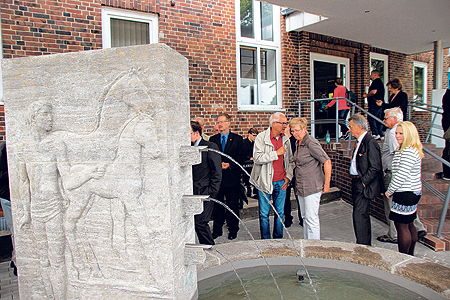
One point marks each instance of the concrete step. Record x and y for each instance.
(440, 184)
(430, 210)
(431, 224)
(429, 198)
(251, 211)
(438, 244)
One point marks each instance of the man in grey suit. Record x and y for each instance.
(366, 173)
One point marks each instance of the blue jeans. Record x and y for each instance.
(342, 119)
(278, 196)
(376, 128)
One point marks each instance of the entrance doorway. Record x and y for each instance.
(324, 70)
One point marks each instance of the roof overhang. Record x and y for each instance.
(405, 26)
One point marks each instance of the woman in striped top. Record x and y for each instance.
(405, 187)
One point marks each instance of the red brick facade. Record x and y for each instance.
(205, 33)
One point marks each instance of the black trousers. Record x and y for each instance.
(446, 156)
(201, 224)
(361, 216)
(229, 196)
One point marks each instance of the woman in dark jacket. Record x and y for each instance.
(398, 98)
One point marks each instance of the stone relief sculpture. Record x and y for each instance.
(97, 174)
(41, 174)
(71, 184)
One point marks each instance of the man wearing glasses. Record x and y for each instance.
(272, 170)
(231, 144)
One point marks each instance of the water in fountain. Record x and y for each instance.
(234, 269)
(253, 181)
(251, 235)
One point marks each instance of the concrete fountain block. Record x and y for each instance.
(94, 142)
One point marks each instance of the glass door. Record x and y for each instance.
(324, 70)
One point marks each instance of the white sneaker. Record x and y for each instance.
(382, 138)
(377, 137)
(445, 178)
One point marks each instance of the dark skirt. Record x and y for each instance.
(404, 206)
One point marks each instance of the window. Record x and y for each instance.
(420, 81)
(126, 28)
(258, 55)
(380, 62)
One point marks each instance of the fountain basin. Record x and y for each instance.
(415, 274)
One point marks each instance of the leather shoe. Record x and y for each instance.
(216, 235)
(232, 235)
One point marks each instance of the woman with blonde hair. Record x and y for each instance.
(405, 187)
(310, 180)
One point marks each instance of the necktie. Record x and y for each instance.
(224, 141)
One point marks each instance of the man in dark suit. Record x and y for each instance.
(366, 172)
(232, 145)
(206, 177)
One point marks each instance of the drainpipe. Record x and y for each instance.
(438, 65)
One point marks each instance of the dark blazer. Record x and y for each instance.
(207, 175)
(368, 165)
(235, 149)
(401, 100)
(446, 108)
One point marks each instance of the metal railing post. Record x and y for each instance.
(337, 120)
(443, 214)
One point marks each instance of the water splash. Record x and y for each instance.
(234, 269)
(251, 235)
(253, 181)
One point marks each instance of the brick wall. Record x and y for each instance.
(37, 27)
(204, 32)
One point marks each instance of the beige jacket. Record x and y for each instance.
(263, 155)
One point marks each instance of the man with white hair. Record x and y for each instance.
(365, 170)
(272, 170)
(392, 117)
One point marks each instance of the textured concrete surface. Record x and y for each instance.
(97, 173)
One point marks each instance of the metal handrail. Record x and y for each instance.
(435, 192)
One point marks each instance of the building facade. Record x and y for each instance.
(241, 59)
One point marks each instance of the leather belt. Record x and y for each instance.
(354, 176)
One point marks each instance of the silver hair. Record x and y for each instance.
(274, 117)
(359, 119)
(395, 112)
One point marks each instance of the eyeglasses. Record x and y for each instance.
(296, 131)
(282, 123)
(220, 122)
(387, 118)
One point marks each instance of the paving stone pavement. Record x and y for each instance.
(336, 224)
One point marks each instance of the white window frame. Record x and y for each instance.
(258, 44)
(425, 82)
(385, 78)
(108, 13)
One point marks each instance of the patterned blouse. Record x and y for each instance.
(406, 172)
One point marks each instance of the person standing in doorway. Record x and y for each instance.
(376, 92)
(340, 92)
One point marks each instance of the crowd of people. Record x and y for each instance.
(284, 157)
